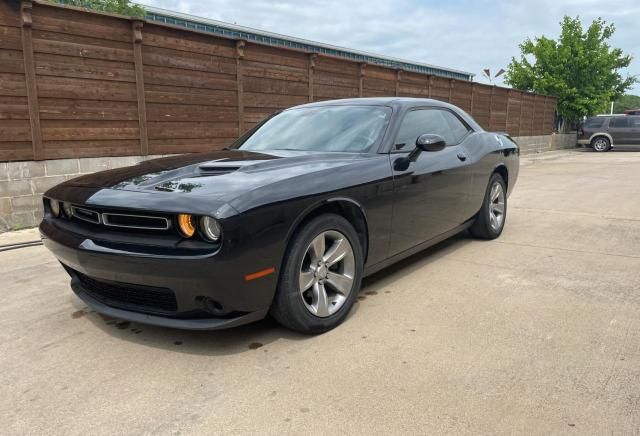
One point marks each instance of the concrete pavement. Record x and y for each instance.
(537, 332)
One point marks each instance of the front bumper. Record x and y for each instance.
(178, 323)
(198, 293)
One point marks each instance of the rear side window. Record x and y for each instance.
(458, 129)
(435, 121)
(635, 122)
(594, 122)
(619, 122)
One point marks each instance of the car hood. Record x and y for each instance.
(223, 175)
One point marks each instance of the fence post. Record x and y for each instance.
(312, 67)
(491, 108)
(506, 120)
(533, 117)
(522, 94)
(398, 78)
(473, 90)
(544, 116)
(240, 86)
(136, 37)
(363, 66)
(30, 79)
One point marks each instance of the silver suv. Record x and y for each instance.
(603, 132)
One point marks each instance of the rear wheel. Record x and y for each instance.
(490, 220)
(321, 276)
(601, 143)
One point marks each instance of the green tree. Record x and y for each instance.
(122, 7)
(626, 102)
(580, 68)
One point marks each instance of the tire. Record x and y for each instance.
(490, 221)
(601, 144)
(299, 303)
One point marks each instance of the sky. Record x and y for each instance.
(461, 34)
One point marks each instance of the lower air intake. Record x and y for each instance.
(130, 296)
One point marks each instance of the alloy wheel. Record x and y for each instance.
(496, 207)
(327, 273)
(600, 144)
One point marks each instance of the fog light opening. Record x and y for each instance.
(212, 306)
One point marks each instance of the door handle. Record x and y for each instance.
(462, 156)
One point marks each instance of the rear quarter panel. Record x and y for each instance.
(488, 151)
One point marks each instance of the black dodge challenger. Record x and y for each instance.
(286, 221)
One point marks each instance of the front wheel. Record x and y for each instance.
(490, 220)
(321, 276)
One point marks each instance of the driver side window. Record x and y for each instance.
(434, 121)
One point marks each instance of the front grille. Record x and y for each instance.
(118, 219)
(90, 216)
(130, 296)
(135, 221)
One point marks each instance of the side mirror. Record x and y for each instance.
(430, 142)
(426, 142)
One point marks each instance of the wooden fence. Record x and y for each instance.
(80, 84)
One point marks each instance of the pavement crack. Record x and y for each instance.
(568, 212)
(571, 250)
(616, 358)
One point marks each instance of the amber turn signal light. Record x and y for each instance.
(187, 225)
(259, 274)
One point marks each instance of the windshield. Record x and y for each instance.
(326, 128)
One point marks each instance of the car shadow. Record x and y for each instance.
(258, 335)
(617, 149)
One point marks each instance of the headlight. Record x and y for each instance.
(67, 209)
(187, 225)
(210, 228)
(54, 205)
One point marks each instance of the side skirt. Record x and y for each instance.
(371, 269)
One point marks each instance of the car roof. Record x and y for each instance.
(613, 116)
(397, 103)
(378, 101)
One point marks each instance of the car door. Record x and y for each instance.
(620, 130)
(431, 192)
(635, 130)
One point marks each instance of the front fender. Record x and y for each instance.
(320, 204)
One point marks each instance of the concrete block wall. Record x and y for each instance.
(540, 144)
(562, 141)
(23, 183)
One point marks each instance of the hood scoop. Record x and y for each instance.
(223, 166)
(187, 181)
(219, 167)
(214, 170)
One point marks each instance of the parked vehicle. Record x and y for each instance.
(604, 132)
(632, 112)
(286, 221)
